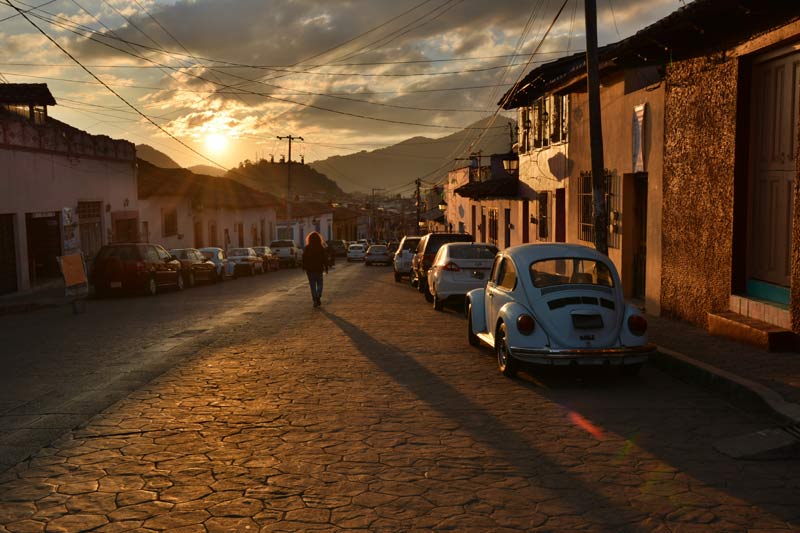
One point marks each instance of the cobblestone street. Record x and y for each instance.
(374, 413)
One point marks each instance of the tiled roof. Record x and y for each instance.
(208, 191)
(701, 27)
(26, 93)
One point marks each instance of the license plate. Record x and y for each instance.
(115, 284)
(477, 275)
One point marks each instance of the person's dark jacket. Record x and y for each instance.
(315, 259)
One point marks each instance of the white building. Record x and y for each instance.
(180, 209)
(62, 190)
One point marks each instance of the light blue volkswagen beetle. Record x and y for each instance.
(556, 304)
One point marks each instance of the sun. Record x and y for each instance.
(216, 142)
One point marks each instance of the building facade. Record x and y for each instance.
(62, 190)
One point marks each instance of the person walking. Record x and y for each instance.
(315, 261)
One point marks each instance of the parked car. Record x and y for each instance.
(245, 261)
(377, 253)
(338, 247)
(355, 252)
(195, 266)
(557, 304)
(289, 253)
(268, 257)
(134, 266)
(224, 268)
(403, 256)
(458, 268)
(423, 258)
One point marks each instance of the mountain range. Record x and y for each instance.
(392, 169)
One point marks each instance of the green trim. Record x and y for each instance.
(769, 292)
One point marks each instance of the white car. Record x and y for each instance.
(356, 252)
(403, 256)
(220, 260)
(557, 304)
(458, 268)
(288, 252)
(246, 261)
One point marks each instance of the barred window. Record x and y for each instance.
(543, 218)
(586, 206)
(493, 226)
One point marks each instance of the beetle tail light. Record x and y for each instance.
(637, 324)
(526, 324)
(451, 267)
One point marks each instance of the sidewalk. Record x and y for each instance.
(51, 295)
(752, 378)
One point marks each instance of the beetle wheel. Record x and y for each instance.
(471, 337)
(505, 361)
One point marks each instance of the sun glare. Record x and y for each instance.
(216, 143)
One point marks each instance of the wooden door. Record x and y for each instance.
(774, 126)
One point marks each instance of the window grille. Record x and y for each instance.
(543, 219)
(586, 206)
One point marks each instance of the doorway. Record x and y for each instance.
(44, 246)
(8, 255)
(773, 116)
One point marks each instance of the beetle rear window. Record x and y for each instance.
(570, 271)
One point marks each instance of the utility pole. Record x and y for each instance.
(289, 179)
(596, 130)
(372, 224)
(417, 198)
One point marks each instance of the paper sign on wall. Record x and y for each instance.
(638, 138)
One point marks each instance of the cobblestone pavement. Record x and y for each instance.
(373, 413)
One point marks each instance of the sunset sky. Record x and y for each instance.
(225, 77)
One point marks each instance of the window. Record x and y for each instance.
(169, 222)
(507, 226)
(508, 275)
(543, 219)
(586, 209)
(544, 123)
(493, 226)
(570, 271)
(496, 270)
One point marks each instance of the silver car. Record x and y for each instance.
(377, 253)
(403, 256)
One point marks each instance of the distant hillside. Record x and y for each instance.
(155, 157)
(207, 170)
(397, 165)
(271, 177)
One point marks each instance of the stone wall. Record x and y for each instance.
(698, 187)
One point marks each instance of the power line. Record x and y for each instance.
(148, 119)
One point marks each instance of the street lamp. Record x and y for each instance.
(443, 205)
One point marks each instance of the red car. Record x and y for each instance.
(139, 267)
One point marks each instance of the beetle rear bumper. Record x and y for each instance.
(583, 356)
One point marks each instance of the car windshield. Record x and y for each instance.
(410, 244)
(238, 252)
(477, 251)
(570, 271)
(281, 244)
(179, 253)
(356, 248)
(377, 249)
(208, 255)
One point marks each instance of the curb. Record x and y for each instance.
(742, 392)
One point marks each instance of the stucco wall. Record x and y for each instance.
(617, 120)
(699, 157)
(35, 181)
